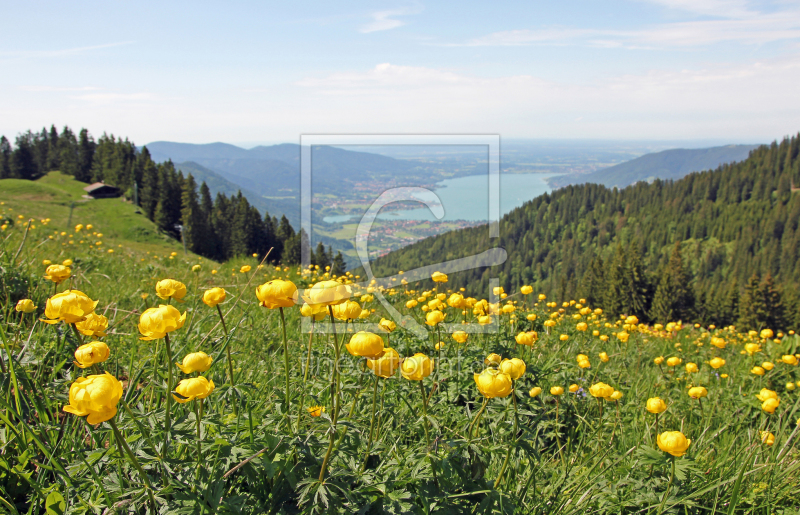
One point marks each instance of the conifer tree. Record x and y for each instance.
(751, 307)
(86, 146)
(191, 220)
(594, 283)
(614, 292)
(338, 267)
(663, 307)
(774, 312)
(5, 158)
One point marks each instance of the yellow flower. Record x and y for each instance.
(789, 359)
(622, 336)
(457, 301)
(96, 396)
(535, 391)
(757, 371)
(509, 308)
(770, 405)
(604, 357)
(716, 362)
(434, 317)
(790, 386)
(316, 411)
(767, 365)
(368, 345)
(655, 405)
(26, 306)
(617, 395)
(485, 320)
(696, 392)
(214, 296)
(439, 277)
(386, 364)
(691, 368)
(91, 353)
(196, 268)
(318, 312)
(674, 361)
(417, 367)
(767, 437)
(556, 391)
(193, 388)
(71, 306)
(493, 360)
(411, 304)
(93, 325)
(604, 337)
(526, 290)
(170, 288)
(195, 362)
(766, 334)
(349, 310)
(673, 442)
(527, 338)
(514, 367)
(245, 269)
(493, 383)
(601, 390)
(460, 336)
(279, 294)
(57, 273)
(156, 322)
(564, 337)
(531, 317)
(752, 348)
(766, 394)
(718, 342)
(582, 326)
(387, 325)
(574, 388)
(326, 293)
(659, 360)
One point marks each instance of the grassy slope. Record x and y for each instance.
(118, 221)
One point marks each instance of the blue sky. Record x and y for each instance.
(270, 71)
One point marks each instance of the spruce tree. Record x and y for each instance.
(774, 312)
(5, 158)
(614, 292)
(86, 146)
(635, 284)
(751, 305)
(338, 267)
(663, 307)
(191, 222)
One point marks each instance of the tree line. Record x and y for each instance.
(219, 228)
(720, 246)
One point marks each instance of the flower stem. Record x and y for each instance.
(511, 444)
(371, 424)
(124, 446)
(334, 397)
(199, 403)
(669, 485)
(168, 416)
(286, 368)
(222, 319)
(427, 432)
(477, 418)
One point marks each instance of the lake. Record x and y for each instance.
(466, 198)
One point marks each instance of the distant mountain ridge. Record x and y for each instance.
(667, 164)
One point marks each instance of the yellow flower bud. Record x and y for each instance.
(26, 306)
(674, 361)
(604, 357)
(493, 383)
(96, 396)
(283, 294)
(526, 290)
(195, 362)
(696, 392)
(214, 296)
(767, 365)
(348, 310)
(673, 442)
(659, 360)
(716, 362)
(556, 391)
(70, 306)
(156, 322)
(460, 336)
(417, 367)
(91, 353)
(757, 371)
(386, 364)
(57, 273)
(535, 391)
(434, 317)
(365, 344)
(514, 367)
(601, 390)
(93, 325)
(655, 405)
(767, 438)
(193, 388)
(439, 277)
(770, 405)
(691, 368)
(316, 411)
(170, 288)
(574, 388)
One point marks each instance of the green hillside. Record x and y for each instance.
(51, 197)
(738, 228)
(669, 164)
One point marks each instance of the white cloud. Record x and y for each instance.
(724, 8)
(24, 54)
(383, 20)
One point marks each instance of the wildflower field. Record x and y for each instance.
(145, 382)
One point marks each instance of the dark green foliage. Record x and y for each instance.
(703, 235)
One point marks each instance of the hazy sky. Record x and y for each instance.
(270, 71)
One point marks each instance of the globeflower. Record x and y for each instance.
(674, 361)
(457, 301)
(697, 392)
(527, 338)
(601, 390)
(556, 391)
(434, 317)
(673, 442)
(573, 388)
(716, 363)
(171, 289)
(514, 367)
(96, 396)
(439, 277)
(156, 322)
(604, 357)
(417, 367)
(659, 360)
(757, 371)
(195, 362)
(767, 438)
(460, 336)
(535, 391)
(348, 310)
(57, 273)
(193, 388)
(386, 364)
(26, 306)
(283, 294)
(691, 368)
(789, 359)
(493, 360)
(69, 306)
(387, 325)
(752, 348)
(770, 405)
(766, 394)
(365, 344)
(655, 405)
(316, 411)
(93, 325)
(526, 290)
(214, 296)
(326, 293)
(766, 334)
(91, 353)
(493, 383)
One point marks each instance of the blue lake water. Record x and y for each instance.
(466, 198)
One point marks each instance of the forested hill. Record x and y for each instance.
(719, 246)
(668, 164)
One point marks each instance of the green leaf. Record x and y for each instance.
(55, 504)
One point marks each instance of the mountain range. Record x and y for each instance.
(668, 164)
